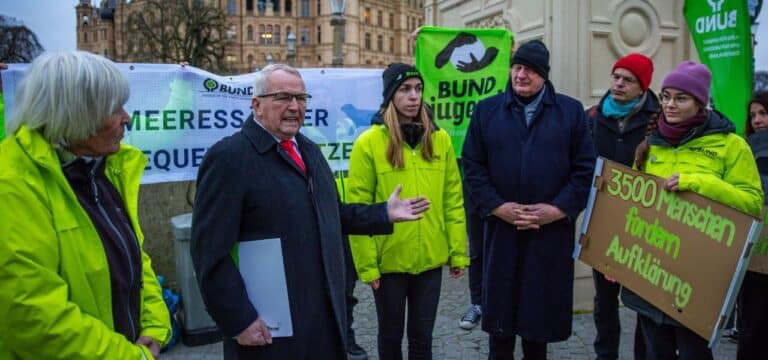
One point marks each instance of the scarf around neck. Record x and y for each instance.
(612, 109)
(674, 133)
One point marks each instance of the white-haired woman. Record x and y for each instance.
(74, 280)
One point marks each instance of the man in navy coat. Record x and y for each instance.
(528, 159)
(269, 181)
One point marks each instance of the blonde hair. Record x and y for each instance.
(395, 146)
(67, 96)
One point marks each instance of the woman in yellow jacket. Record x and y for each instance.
(404, 147)
(75, 282)
(695, 149)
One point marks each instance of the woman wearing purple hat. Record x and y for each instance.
(696, 149)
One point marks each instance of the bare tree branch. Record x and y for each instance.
(177, 30)
(18, 44)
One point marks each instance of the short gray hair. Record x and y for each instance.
(260, 83)
(67, 96)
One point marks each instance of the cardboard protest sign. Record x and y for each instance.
(759, 262)
(680, 251)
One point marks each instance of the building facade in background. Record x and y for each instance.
(376, 31)
(585, 37)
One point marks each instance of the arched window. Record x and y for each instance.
(262, 35)
(250, 33)
(269, 34)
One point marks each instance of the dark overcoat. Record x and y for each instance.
(249, 188)
(528, 274)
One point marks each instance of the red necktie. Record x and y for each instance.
(287, 145)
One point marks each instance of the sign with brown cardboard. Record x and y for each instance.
(680, 251)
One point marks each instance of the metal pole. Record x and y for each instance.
(338, 22)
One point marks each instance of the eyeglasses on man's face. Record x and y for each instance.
(285, 98)
(627, 80)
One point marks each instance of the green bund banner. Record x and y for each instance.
(720, 30)
(460, 67)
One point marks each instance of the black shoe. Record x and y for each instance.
(355, 352)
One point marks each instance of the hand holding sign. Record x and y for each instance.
(673, 183)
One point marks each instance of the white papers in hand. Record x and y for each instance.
(263, 272)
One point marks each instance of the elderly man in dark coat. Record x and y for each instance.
(269, 181)
(528, 159)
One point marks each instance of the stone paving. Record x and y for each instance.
(451, 342)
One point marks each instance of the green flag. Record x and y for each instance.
(461, 67)
(720, 30)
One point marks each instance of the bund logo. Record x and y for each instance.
(467, 54)
(210, 84)
(706, 152)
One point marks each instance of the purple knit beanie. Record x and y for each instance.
(691, 78)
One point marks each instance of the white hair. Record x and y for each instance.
(260, 83)
(67, 96)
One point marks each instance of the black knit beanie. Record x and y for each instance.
(394, 76)
(533, 54)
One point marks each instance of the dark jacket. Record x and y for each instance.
(528, 275)
(248, 189)
(758, 142)
(619, 145)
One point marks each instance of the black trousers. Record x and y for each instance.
(475, 233)
(504, 349)
(662, 341)
(349, 290)
(753, 317)
(421, 293)
(607, 324)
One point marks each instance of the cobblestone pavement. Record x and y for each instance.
(451, 342)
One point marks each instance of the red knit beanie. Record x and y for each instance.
(640, 65)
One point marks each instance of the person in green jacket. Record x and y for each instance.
(404, 147)
(695, 149)
(75, 282)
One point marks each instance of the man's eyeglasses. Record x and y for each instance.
(678, 99)
(286, 98)
(627, 79)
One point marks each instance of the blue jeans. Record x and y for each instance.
(421, 292)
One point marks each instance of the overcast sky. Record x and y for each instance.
(54, 23)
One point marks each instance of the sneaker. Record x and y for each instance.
(355, 352)
(471, 318)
